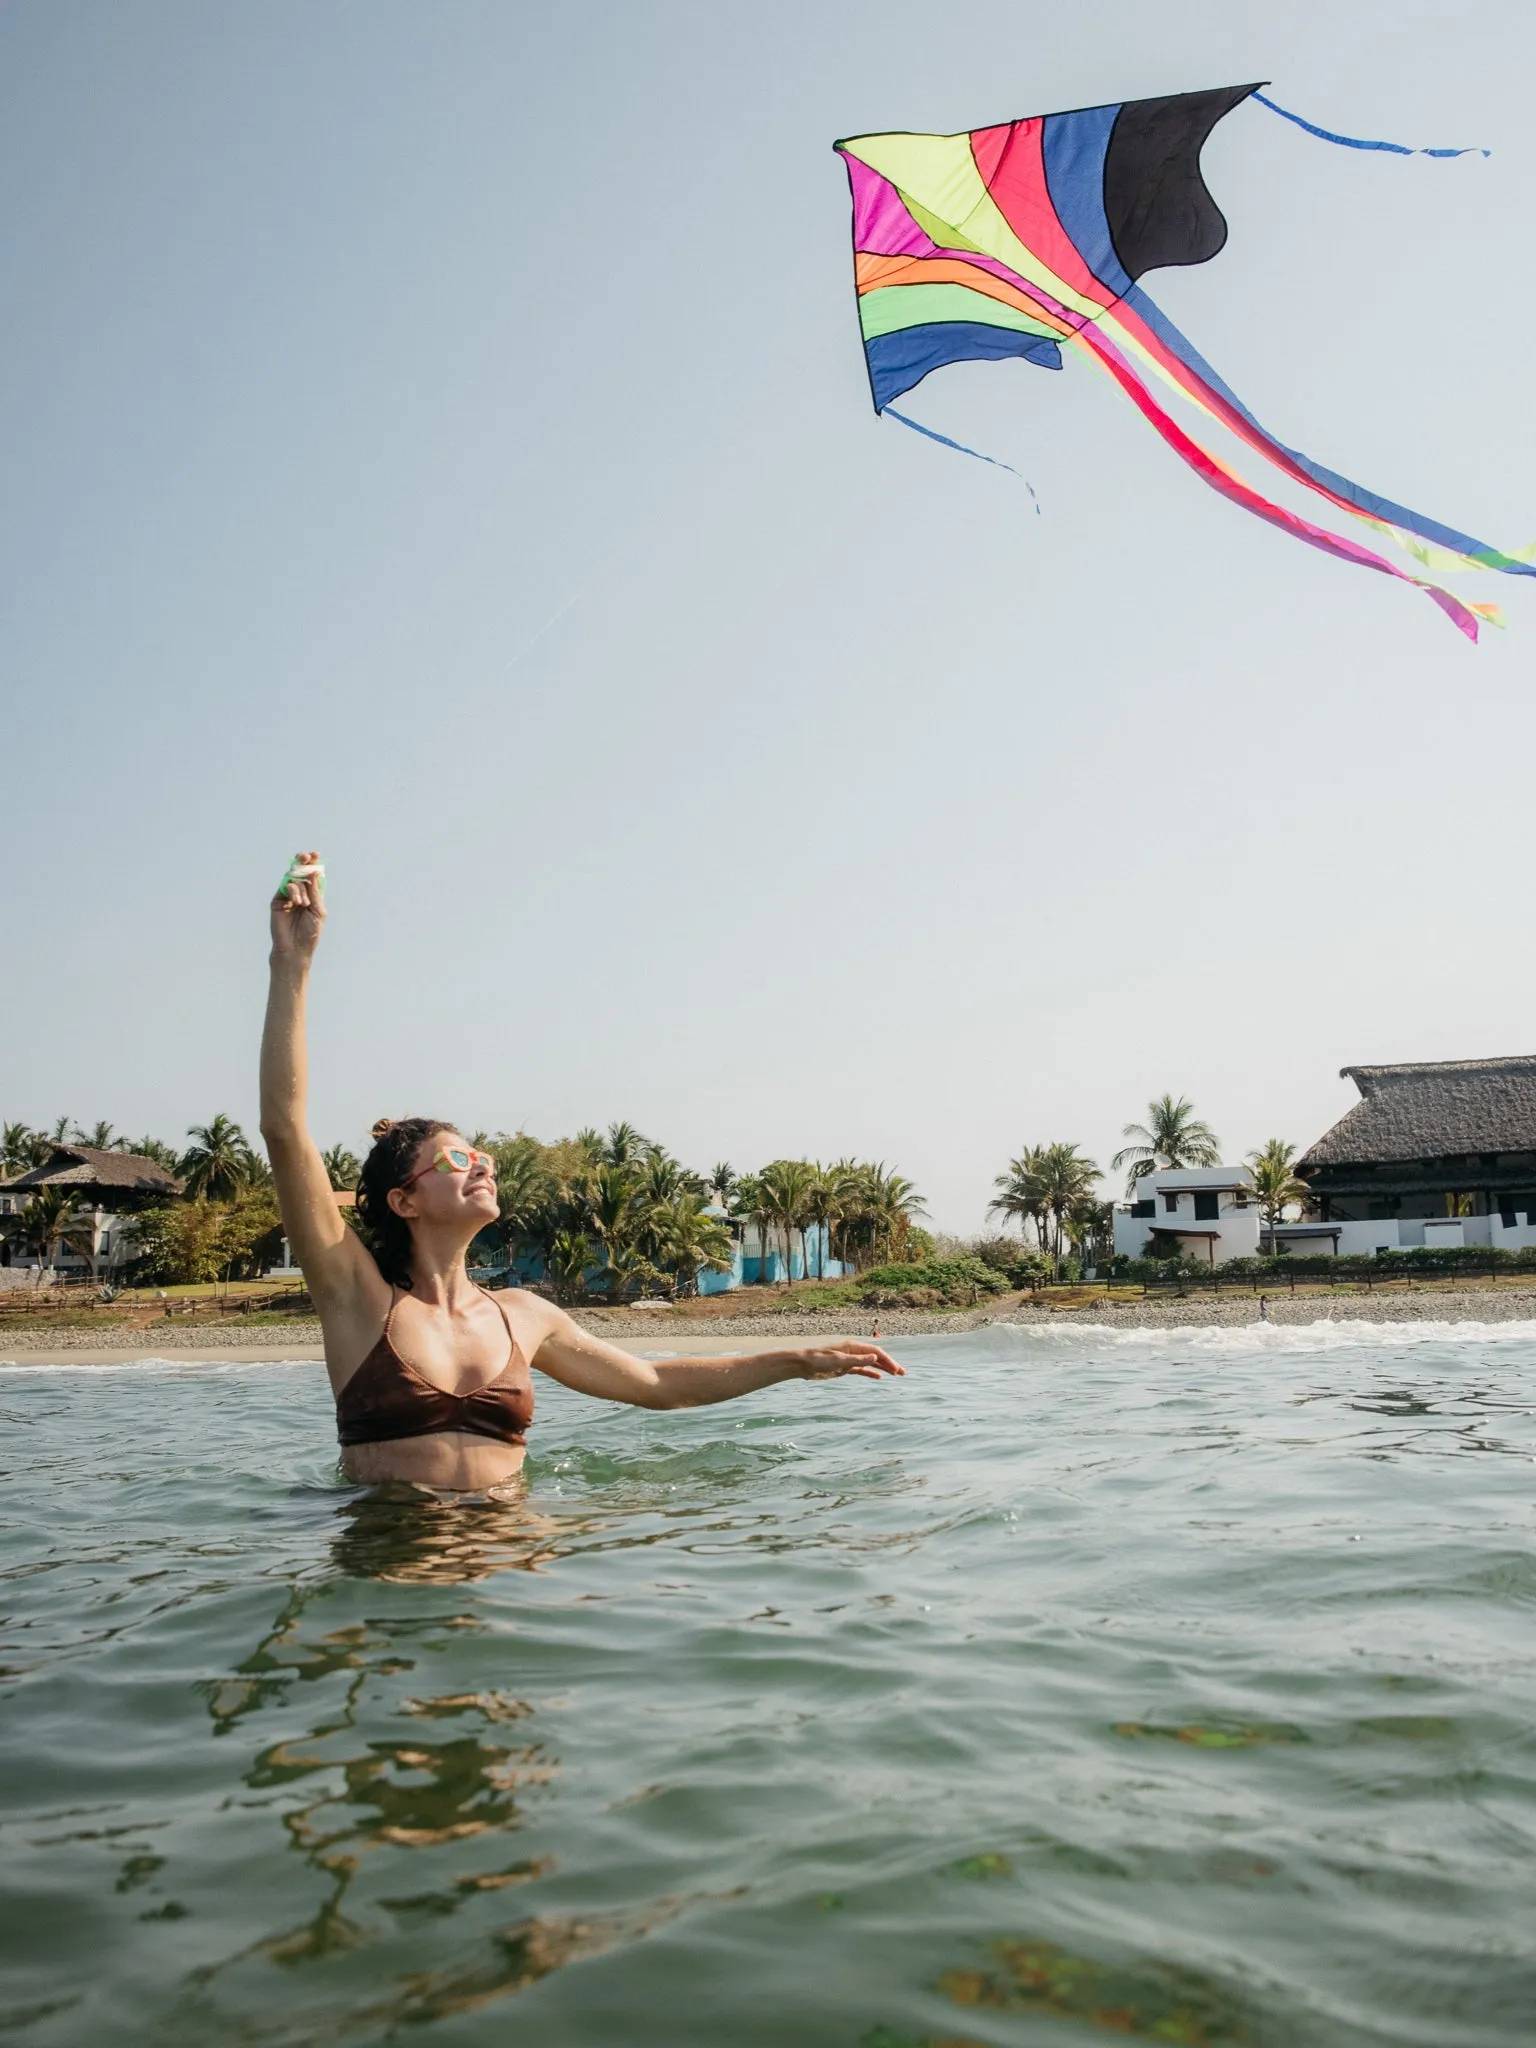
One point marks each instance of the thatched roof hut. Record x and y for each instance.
(1432, 1127)
(100, 1180)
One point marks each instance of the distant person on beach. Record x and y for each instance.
(1263, 1308)
(431, 1374)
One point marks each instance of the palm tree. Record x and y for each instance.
(1091, 1229)
(755, 1206)
(661, 1178)
(21, 1147)
(46, 1224)
(846, 1180)
(218, 1163)
(1275, 1183)
(101, 1138)
(722, 1179)
(343, 1169)
(1066, 1179)
(787, 1186)
(872, 1209)
(686, 1239)
(525, 1189)
(623, 1145)
(569, 1257)
(1021, 1193)
(896, 1204)
(1172, 1136)
(613, 1205)
(628, 1270)
(151, 1148)
(822, 1204)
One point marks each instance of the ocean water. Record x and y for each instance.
(1165, 1686)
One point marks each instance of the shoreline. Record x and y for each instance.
(652, 1333)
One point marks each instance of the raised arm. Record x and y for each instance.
(579, 1359)
(335, 1263)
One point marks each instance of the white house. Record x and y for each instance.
(107, 1187)
(1210, 1211)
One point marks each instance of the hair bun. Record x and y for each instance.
(382, 1128)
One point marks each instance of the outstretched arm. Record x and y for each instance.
(579, 1359)
(334, 1261)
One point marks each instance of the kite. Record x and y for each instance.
(1030, 237)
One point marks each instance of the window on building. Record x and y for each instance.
(1147, 1208)
(1207, 1205)
(1240, 1198)
(1171, 1204)
(105, 1247)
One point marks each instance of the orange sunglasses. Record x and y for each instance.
(451, 1159)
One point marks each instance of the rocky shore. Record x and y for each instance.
(1485, 1305)
(165, 1339)
(694, 1332)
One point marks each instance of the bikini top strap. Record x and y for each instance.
(394, 1301)
(511, 1334)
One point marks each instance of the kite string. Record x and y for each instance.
(1355, 142)
(960, 448)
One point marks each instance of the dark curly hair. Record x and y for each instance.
(387, 1235)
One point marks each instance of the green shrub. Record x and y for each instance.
(1020, 1264)
(1423, 1260)
(956, 1281)
(1158, 1272)
(199, 1241)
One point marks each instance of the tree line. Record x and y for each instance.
(1049, 1191)
(614, 1212)
(225, 1227)
(611, 1212)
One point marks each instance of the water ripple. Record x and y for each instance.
(1174, 1686)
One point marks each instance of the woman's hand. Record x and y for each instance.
(851, 1355)
(298, 912)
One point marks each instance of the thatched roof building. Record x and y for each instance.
(1424, 1131)
(100, 1180)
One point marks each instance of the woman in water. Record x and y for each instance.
(431, 1374)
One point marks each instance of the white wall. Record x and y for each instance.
(1409, 1232)
(1236, 1226)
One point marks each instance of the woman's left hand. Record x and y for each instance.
(850, 1355)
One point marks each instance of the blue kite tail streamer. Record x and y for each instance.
(960, 448)
(1354, 141)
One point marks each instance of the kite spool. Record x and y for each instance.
(301, 871)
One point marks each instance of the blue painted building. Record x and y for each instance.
(810, 1259)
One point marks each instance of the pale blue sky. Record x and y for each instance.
(845, 805)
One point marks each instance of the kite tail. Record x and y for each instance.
(1465, 618)
(1354, 141)
(890, 412)
(1154, 338)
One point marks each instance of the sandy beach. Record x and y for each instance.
(652, 1333)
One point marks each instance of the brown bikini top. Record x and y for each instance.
(387, 1399)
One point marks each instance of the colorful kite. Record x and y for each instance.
(1019, 239)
